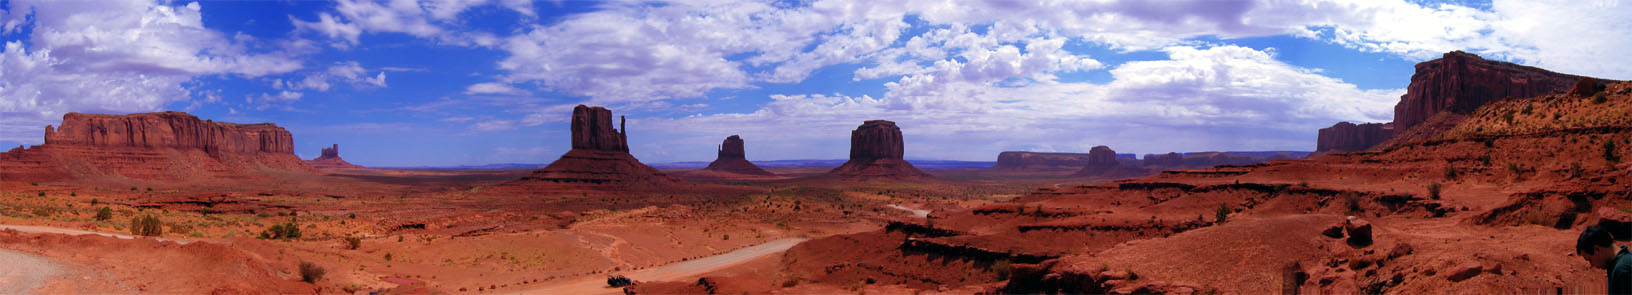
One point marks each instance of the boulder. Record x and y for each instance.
(1587, 87)
(876, 150)
(733, 159)
(1359, 232)
(1460, 82)
(1349, 137)
(1463, 272)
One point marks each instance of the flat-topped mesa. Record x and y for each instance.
(733, 159)
(170, 130)
(1170, 159)
(1102, 162)
(599, 155)
(592, 130)
(1034, 161)
(1349, 137)
(330, 159)
(876, 150)
(156, 146)
(1460, 82)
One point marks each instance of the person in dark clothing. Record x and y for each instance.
(1596, 246)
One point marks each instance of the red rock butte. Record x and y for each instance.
(599, 155)
(733, 159)
(164, 145)
(1460, 82)
(1034, 161)
(330, 159)
(876, 151)
(1102, 162)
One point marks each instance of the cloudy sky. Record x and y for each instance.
(456, 82)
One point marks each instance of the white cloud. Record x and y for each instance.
(349, 72)
(112, 57)
(493, 125)
(493, 88)
(431, 19)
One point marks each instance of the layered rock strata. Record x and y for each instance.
(158, 146)
(733, 159)
(876, 150)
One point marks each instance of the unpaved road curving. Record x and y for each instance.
(915, 212)
(670, 272)
(21, 273)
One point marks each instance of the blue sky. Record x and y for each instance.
(465, 82)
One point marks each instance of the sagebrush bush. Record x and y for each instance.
(104, 214)
(1222, 213)
(146, 225)
(1433, 190)
(281, 231)
(353, 243)
(310, 272)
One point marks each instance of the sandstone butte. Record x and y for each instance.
(1035, 161)
(733, 159)
(330, 159)
(876, 152)
(599, 155)
(1102, 162)
(160, 146)
(1454, 85)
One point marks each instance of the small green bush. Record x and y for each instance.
(146, 225)
(1599, 98)
(1609, 152)
(1001, 269)
(104, 214)
(353, 243)
(1222, 213)
(281, 232)
(1450, 173)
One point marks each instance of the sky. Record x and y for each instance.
(470, 82)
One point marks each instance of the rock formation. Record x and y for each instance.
(1032, 161)
(876, 151)
(1348, 137)
(159, 146)
(330, 159)
(1588, 86)
(1164, 160)
(733, 159)
(1102, 162)
(1461, 82)
(599, 155)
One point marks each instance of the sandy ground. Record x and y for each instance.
(671, 272)
(24, 273)
(58, 230)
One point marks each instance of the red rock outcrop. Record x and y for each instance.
(733, 159)
(330, 159)
(1348, 137)
(1164, 160)
(599, 155)
(876, 151)
(1033, 161)
(159, 146)
(1588, 86)
(1102, 162)
(1461, 82)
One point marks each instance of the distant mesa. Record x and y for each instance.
(876, 152)
(1348, 137)
(1102, 162)
(1164, 160)
(1034, 161)
(157, 146)
(599, 155)
(330, 159)
(733, 159)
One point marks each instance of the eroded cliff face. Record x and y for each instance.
(592, 130)
(330, 159)
(876, 150)
(1349, 137)
(154, 146)
(171, 130)
(1461, 82)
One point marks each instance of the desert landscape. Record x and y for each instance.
(1480, 184)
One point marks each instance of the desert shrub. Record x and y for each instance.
(1576, 170)
(1352, 201)
(353, 243)
(1001, 269)
(45, 211)
(726, 237)
(387, 256)
(281, 231)
(1507, 118)
(1433, 190)
(310, 272)
(1600, 97)
(1609, 152)
(104, 214)
(1484, 159)
(1222, 213)
(1527, 109)
(181, 228)
(133, 188)
(42, 194)
(1450, 173)
(1133, 276)
(1517, 169)
(146, 225)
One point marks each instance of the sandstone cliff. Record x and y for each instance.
(876, 151)
(156, 146)
(1102, 162)
(732, 158)
(1033, 161)
(1461, 82)
(1348, 137)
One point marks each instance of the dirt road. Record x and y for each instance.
(67, 231)
(23, 273)
(915, 212)
(675, 271)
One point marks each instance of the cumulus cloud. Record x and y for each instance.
(432, 19)
(493, 88)
(1192, 100)
(349, 72)
(112, 57)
